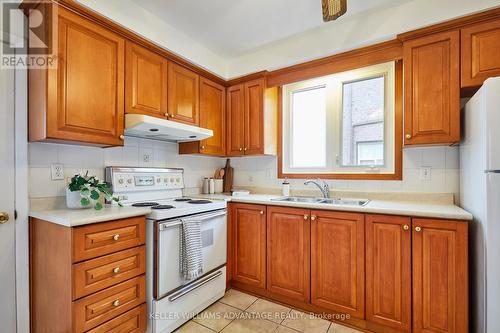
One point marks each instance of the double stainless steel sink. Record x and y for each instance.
(339, 201)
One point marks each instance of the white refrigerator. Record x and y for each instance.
(480, 195)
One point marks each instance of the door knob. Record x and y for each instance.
(4, 217)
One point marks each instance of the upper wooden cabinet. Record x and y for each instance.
(249, 244)
(252, 119)
(82, 100)
(432, 89)
(145, 82)
(338, 262)
(288, 252)
(212, 116)
(480, 53)
(388, 271)
(183, 95)
(440, 276)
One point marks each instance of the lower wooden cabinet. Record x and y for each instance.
(338, 262)
(388, 271)
(440, 276)
(288, 252)
(249, 244)
(89, 278)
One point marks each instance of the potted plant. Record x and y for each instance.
(85, 191)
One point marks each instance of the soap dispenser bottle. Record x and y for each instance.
(285, 188)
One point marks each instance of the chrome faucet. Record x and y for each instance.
(323, 187)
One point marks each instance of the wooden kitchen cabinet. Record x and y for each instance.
(183, 95)
(212, 116)
(440, 276)
(288, 252)
(88, 278)
(388, 271)
(252, 119)
(480, 58)
(249, 244)
(338, 262)
(145, 82)
(432, 89)
(82, 99)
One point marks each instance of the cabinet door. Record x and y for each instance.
(480, 53)
(338, 261)
(183, 95)
(254, 117)
(388, 271)
(90, 83)
(213, 116)
(235, 120)
(440, 285)
(249, 241)
(432, 89)
(146, 82)
(288, 252)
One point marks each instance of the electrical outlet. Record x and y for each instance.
(425, 173)
(146, 158)
(57, 172)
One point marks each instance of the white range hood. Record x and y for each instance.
(141, 126)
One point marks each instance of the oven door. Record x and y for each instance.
(214, 249)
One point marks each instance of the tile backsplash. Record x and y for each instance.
(135, 152)
(258, 171)
(443, 161)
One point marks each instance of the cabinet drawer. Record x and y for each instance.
(105, 305)
(133, 321)
(96, 274)
(104, 238)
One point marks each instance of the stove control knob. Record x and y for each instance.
(178, 180)
(120, 181)
(129, 181)
(158, 180)
(172, 180)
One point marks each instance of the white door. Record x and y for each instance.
(7, 192)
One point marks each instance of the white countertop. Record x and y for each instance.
(77, 217)
(391, 207)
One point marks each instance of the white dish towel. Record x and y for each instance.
(191, 255)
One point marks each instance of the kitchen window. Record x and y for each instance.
(342, 125)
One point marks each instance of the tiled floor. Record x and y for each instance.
(237, 312)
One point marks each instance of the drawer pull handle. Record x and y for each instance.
(116, 270)
(116, 237)
(116, 303)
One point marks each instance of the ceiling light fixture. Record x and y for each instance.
(333, 9)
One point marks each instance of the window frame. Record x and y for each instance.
(395, 174)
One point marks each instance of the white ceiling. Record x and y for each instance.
(232, 27)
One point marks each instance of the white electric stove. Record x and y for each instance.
(172, 300)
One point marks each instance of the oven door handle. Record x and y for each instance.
(189, 288)
(166, 225)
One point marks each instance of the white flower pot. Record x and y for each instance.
(73, 200)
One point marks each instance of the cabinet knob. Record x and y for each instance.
(241, 149)
(306, 217)
(408, 136)
(245, 149)
(172, 116)
(122, 137)
(116, 303)
(261, 212)
(116, 237)
(202, 147)
(116, 270)
(4, 217)
(166, 114)
(418, 229)
(313, 217)
(406, 227)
